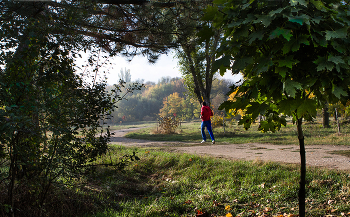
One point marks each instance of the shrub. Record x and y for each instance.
(216, 121)
(168, 124)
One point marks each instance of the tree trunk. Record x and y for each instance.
(302, 169)
(325, 116)
(337, 119)
(197, 88)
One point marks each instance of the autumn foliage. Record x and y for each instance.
(167, 124)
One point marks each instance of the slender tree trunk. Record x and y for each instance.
(302, 169)
(337, 119)
(325, 116)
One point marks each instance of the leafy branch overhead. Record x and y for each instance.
(294, 57)
(294, 47)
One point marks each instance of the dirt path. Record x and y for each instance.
(319, 156)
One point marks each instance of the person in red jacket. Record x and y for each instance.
(206, 112)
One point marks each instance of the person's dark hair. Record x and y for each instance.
(204, 103)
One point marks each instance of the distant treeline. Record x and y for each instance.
(168, 97)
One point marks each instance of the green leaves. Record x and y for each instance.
(294, 54)
(296, 2)
(327, 64)
(272, 123)
(291, 87)
(289, 61)
(339, 33)
(223, 63)
(319, 5)
(293, 45)
(338, 91)
(286, 33)
(306, 108)
(264, 19)
(205, 33)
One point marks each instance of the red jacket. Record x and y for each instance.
(206, 112)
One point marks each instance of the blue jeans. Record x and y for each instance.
(208, 125)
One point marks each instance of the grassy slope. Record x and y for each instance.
(170, 184)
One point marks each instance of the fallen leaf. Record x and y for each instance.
(188, 202)
(268, 209)
(330, 202)
(229, 215)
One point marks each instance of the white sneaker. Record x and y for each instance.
(213, 142)
(203, 141)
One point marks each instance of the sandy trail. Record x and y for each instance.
(318, 156)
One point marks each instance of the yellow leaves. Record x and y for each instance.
(232, 97)
(216, 121)
(173, 104)
(168, 124)
(229, 215)
(286, 215)
(228, 207)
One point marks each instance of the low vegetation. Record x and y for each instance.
(171, 184)
(315, 134)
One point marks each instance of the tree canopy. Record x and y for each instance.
(120, 27)
(288, 51)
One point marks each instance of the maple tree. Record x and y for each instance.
(286, 50)
(172, 104)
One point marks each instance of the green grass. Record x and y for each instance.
(314, 134)
(341, 152)
(128, 125)
(171, 184)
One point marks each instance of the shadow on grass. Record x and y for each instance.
(345, 153)
(227, 136)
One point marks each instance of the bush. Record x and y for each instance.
(217, 121)
(167, 124)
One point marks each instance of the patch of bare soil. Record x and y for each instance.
(316, 156)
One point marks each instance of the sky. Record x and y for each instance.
(140, 68)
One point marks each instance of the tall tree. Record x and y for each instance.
(172, 105)
(125, 28)
(125, 75)
(287, 50)
(50, 120)
(196, 59)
